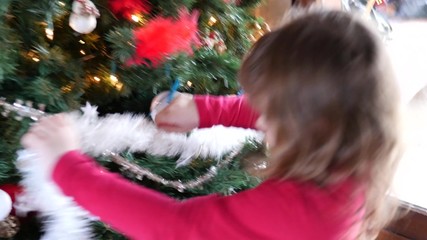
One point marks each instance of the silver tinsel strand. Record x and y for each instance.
(141, 172)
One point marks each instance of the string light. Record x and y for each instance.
(49, 28)
(81, 41)
(119, 86)
(66, 89)
(189, 83)
(97, 79)
(61, 3)
(114, 79)
(212, 21)
(82, 52)
(33, 56)
(252, 37)
(135, 18)
(115, 82)
(49, 33)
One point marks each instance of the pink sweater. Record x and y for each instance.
(274, 210)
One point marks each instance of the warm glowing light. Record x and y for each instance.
(114, 79)
(61, 3)
(97, 79)
(35, 59)
(66, 89)
(212, 21)
(82, 42)
(189, 83)
(119, 86)
(49, 33)
(135, 18)
(82, 52)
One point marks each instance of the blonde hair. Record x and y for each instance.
(324, 82)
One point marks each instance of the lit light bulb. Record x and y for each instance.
(49, 33)
(97, 79)
(35, 59)
(61, 4)
(119, 86)
(114, 79)
(189, 83)
(252, 37)
(135, 18)
(82, 52)
(81, 41)
(66, 89)
(212, 21)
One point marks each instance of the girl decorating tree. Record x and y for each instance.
(325, 97)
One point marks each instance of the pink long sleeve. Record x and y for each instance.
(225, 110)
(274, 210)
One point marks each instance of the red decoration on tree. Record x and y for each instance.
(163, 37)
(13, 190)
(126, 8)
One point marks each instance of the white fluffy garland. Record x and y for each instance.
(64, 219)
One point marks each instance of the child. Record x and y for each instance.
(329, 110)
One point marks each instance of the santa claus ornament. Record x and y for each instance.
(83, 17)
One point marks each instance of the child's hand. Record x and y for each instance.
(180, 115)
(50, 138)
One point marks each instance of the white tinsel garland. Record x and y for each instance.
(116, 133)
(63, 219)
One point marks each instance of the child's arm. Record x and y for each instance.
(141, 213)
(137, 212)
(187, 112)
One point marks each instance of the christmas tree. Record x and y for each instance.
(117, 55)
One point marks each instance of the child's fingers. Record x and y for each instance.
(55, 121)
(30, 140)
(63, 120)
(40, 131)
(158, 99)
(49, 122)
(27, 139)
